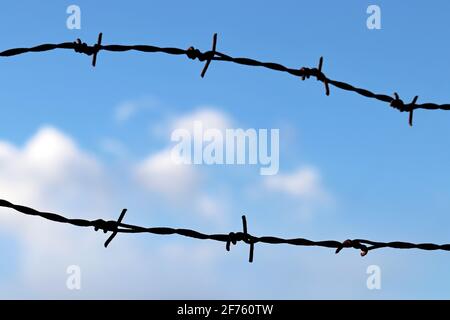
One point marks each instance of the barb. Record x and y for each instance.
(231, 238)
(213, 55)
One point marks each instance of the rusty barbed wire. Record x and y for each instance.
(118, 226)
(214, 55)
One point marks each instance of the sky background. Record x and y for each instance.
(88, 142)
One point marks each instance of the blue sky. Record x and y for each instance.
(364, 172)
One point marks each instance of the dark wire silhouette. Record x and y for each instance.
(214, 55)
(118, 226)
(231, 238)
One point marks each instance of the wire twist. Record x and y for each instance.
(118, 226)
(214, 55)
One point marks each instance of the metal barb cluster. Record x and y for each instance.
(214, 55)
(118, 226)
(82, 47)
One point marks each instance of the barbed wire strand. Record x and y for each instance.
(118, 226)
(214, 55)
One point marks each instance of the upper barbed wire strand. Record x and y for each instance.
(231, 238)
(214, 55)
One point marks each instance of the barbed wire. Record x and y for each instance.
(118, 226)
(214, 55)
(304, 73)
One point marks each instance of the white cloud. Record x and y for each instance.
(304, 183)
(127, 109)
(209, 117)
(161, 174)
(47, 161)
(51, 173)
(114, 147)
(180, 185)
(124, 111)
(212, 208)
(138, 266)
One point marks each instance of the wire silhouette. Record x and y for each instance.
(214, 55)
(304, 73)
(118, 226)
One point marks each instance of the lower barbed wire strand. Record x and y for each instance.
(231, 238)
